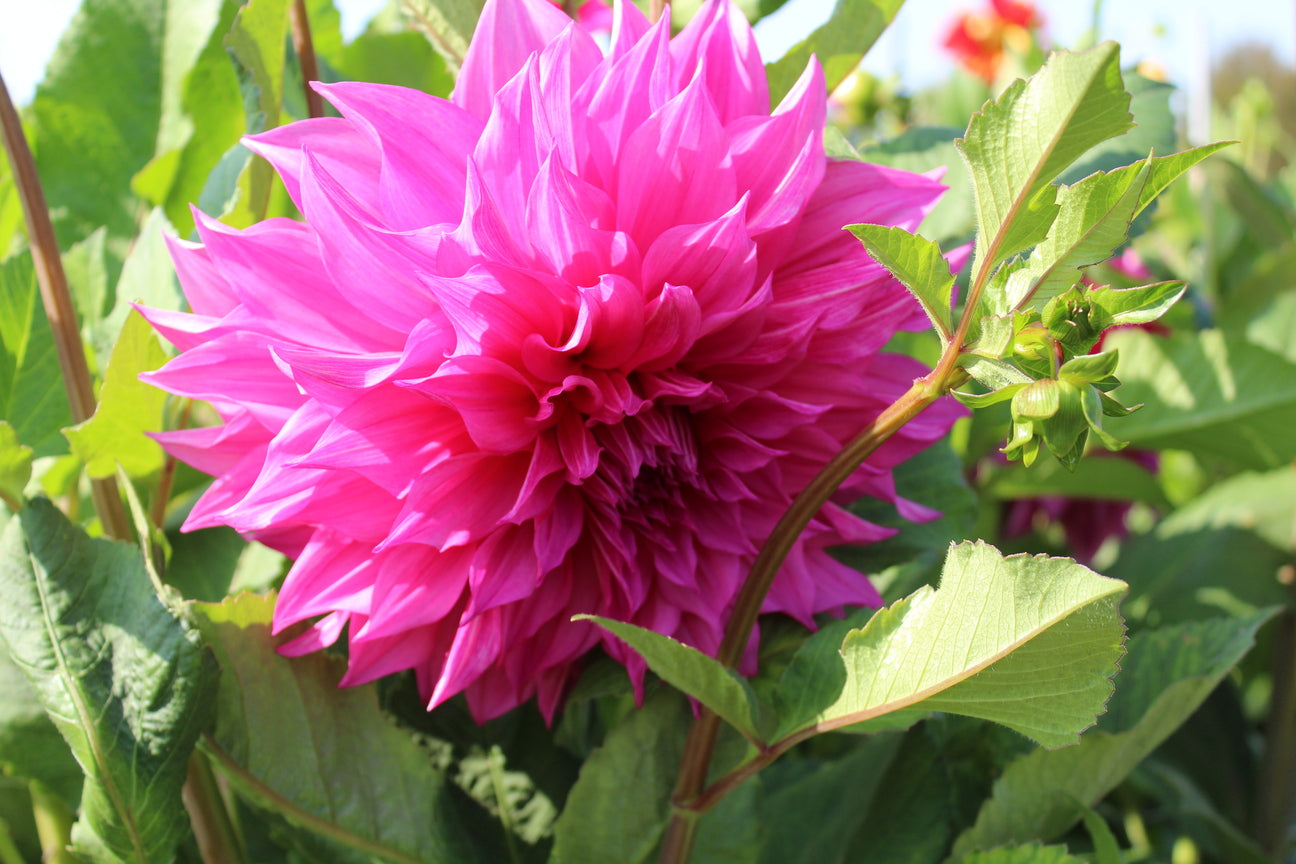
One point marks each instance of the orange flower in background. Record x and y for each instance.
(979, 40)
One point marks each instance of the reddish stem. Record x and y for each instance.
(57, 301)
(305, 48)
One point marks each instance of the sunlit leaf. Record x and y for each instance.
(127, 683)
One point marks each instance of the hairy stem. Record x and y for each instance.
(687, 800)
(305, 48)
(57, 301)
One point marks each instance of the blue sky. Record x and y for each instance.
(1169, 31)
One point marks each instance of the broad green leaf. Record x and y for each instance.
(918, 264)
(1210, 393)
(213, 107)
(924, 148)
(257, 44)
(1098, 477)
(213, 563)
(32, 398)
(1020, 143)
(127, 409)
(1093, 220)
(1030, 643)
(109, 102)
(127, 683)
(30, 745)
(86, 268)
(1033, 853)
(148, 277)
(404, 59)
(609, 819)
(1241, 527)
(694, 673)
(1154, 130)
(839, 45)
(1199, 818)
(326, 759)
(812, 816)
(447, 24)
(15, 464)
(1165, 676)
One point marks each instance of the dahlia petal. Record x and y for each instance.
(335, 143)
(363, 262)
(206, 289)
(692, 178)
(778, 157)
(318, 636)
(517, 29)
(568, 343)
(422, 179)
(720, 42)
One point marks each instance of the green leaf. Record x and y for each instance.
(1094, 218)
(32, 398)
(447, 24)
(1019, 144)
(811, 818)
(326, 759)
(1140, 305)
(1210, 393)
(918, 264)
(1032, 854)
(1165, 676)
(1241, 526)
(1154, 130)
(921, 149)
(213, 105)
(839, 44)
(1106, 849)
(127, 409)
(1030, 643)
(127, 683)
(1092, 222)
(610, 819)
(1097, 477)
(148, 277)
(692, 672)
(15, 465)
(257, 44)
(110, 101)
(403, 59)
(30, 745)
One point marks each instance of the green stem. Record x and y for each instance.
(9, 853)
(57, 300)
(700, 745)
(53, 825)
(1277, 796)
(305, 48)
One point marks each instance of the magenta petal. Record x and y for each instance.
(569, 343)
(422, 180)
(519, 28)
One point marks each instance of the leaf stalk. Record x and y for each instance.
(305, 48)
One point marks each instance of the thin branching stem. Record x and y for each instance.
(305, 48)
(687, 801)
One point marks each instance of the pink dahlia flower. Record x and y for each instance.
(569, 342)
